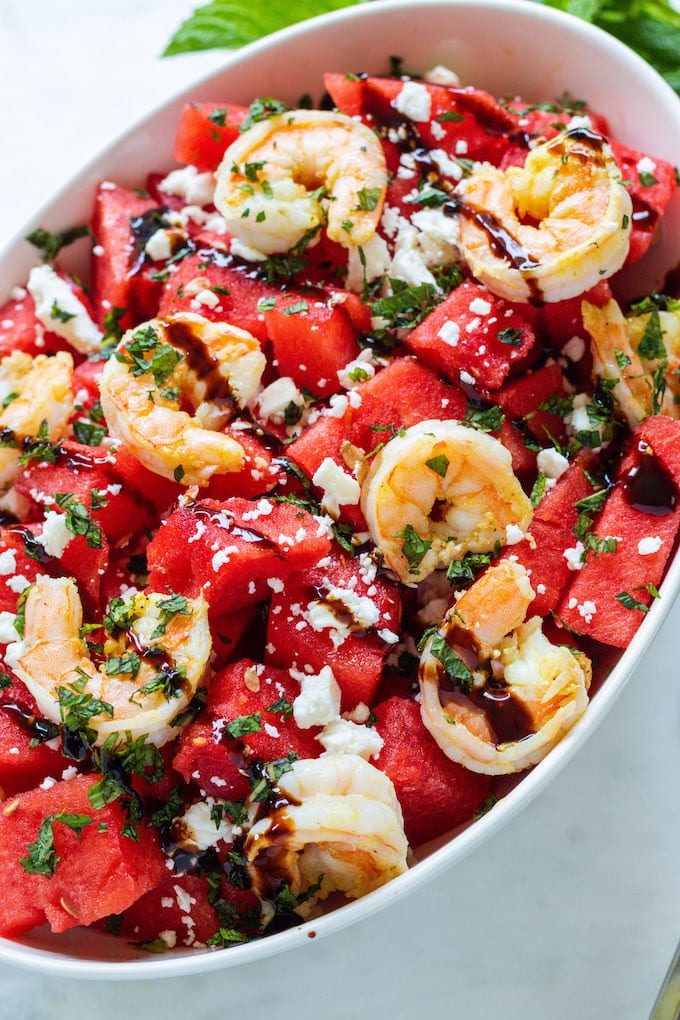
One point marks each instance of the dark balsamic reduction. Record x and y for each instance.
(507, 715)
(183, 337)
(41, 730)
(76, 459)
(649, 488)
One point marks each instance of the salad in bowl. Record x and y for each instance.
(339, 467)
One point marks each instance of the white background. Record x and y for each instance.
(573, 910)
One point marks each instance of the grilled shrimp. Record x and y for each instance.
(291, 173)
(340, 819)
(150, 673)
(514, 694)
(437, 492)
(184, 358)
(40, 406)
(571, 188)
(645, 372)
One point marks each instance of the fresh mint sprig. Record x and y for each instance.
(649, 27)
(232, 23)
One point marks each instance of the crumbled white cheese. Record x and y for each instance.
(368, 263)
(51, 295)
(341, 736)
(449, 333)
(223, 556)
(17, 583)
(275, 398)
(207, 298)
(441, 75)
(573, 556)
(646, 165)
(649, 545)
(318, 702)
(55, 535)
(551, 462)
(362, 368)
(478, 306)
(8, 562)
(194, 187)
(8, 632)
(198, 826)
(414, 101)
(574, 349)
(513, 534)
(159, 245)
(339, 488)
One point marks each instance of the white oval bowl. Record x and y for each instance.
(506, 47)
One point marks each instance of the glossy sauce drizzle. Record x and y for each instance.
(648, 487)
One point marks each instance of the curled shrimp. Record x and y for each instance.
(182, 359)
(496, 695)
(40, 404)
(150, 673)
(551, 229)
(438, 492)
(291, 173)
(645, 373)
(339, 818)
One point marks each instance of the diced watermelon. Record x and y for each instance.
(346, 91)
(23, 766)
(205, 130)
(98, 872)
(259, 475)
(652, 184)
(18, 568)
(20, 330)
(296, 637)
(435, 794)
(521, 399)
(237, 283)
(550, 535)
(235, 551)
(312, 341)
(473, 335)
(642, 512)
(134, 496)
(116, 278)
(179, 912)
(219, 763)
(228, 630)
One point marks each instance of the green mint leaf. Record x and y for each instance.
(243, 725)
(414, 547)
(649, 27)
(629, 602)
(439, 464)
(454, 666)
(230, 24)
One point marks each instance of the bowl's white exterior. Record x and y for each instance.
(511, 46)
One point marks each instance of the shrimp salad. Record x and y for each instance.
(327, 502)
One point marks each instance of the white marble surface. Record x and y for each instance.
(574, 909)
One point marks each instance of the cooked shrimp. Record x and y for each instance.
(519, 694)
(214, 367)
(644, 385)
(340, 823)
(40, 404)
(571, 188)
(293, 172)
(150, 672)
(437, 492)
